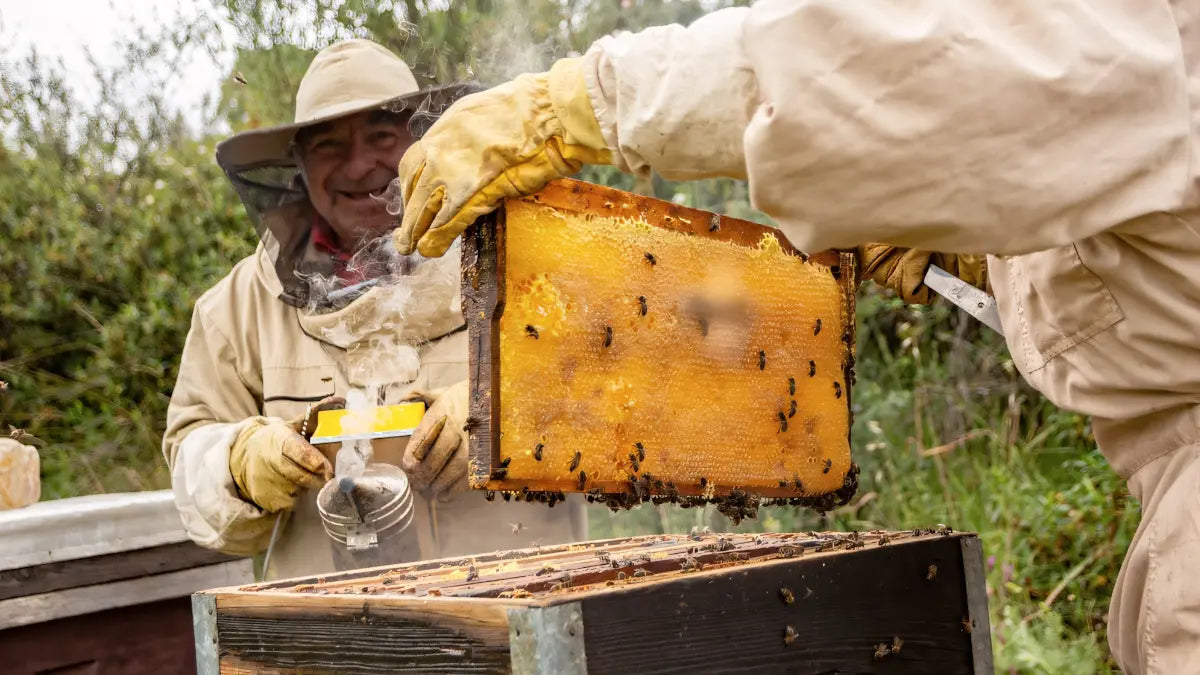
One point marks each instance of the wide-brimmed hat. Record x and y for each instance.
(345, 78)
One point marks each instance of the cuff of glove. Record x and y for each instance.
(573, 107)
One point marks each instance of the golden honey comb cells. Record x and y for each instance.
(632, 351)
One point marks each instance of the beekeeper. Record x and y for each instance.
(322, 308)
(1059, 136)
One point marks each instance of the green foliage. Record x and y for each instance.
(114, 219)
(112, 225)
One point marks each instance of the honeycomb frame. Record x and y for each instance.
(484, 285)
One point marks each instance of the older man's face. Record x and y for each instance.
(348, 164)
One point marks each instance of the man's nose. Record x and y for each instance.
(361, 160)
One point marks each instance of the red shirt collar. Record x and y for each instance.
(324, 239)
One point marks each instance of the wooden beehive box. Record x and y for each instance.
(640, 350)
(908, 602)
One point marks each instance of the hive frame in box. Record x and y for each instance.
(483, 292)
(875, 602)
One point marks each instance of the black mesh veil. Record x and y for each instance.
(261, 166)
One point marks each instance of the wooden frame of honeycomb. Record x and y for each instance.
(638, 350)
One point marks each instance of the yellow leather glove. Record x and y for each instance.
(436, 456)
(508, 141)
(272, 462)
(903, 269)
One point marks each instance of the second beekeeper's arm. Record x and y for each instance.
(997, 126)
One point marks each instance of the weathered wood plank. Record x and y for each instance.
(328, 634)
(55, 576)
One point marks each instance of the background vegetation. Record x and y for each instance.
(114, 218)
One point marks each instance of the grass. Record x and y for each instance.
(946, 432)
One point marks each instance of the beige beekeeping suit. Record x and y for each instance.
(249, 354)
(1060, 136)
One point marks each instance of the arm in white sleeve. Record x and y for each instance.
(209, 406)
(998, 126)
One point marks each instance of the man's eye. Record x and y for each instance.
(383, 136)
(324, 147)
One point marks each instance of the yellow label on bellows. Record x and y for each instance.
(386, 421)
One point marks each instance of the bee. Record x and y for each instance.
(530, 331)
(881, 650)
(516, 527)
(537, 451)
(792, 410)
(762, 359)
(490, 495)
(789, 635)
(620, 576)
(642, 304)
(828, 465)
(897, 643)
(561, 586)
(472, 573)
(782, 422)
(791, 386)
(817, 328)
(812, 368)
(500, 473)
(798, 483)
(787, 596)
(633, 459)
(641, 451)
(582, 480)
(783, 483)
(505, 462)
(931, 572)
(884, 540)
(968, 625)
(836, 271)
(575, 461)
(640, 572)
(715, 223)
(607, 336)
(651, 259)
(837, 389)
(703, 482)
(239, 78)
(546, 569)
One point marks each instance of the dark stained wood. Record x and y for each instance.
(150, 639)
(374, 645)
(844, 607)
(483, 303)
(65, 574)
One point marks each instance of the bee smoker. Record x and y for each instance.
(368, 518)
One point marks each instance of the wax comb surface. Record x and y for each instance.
(636, 349)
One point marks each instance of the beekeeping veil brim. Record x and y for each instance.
(343, 79)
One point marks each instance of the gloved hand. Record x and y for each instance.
(508, 141)
(271, 461)
(436, 456)
(903, 269)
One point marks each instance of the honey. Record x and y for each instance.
(632, 350)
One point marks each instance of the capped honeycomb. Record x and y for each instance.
(644, 349)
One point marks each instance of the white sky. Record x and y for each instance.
(68, 29)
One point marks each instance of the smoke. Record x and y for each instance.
(381, 309)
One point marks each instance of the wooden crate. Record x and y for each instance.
(639, 350)
(102, 584)
(900, 602)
